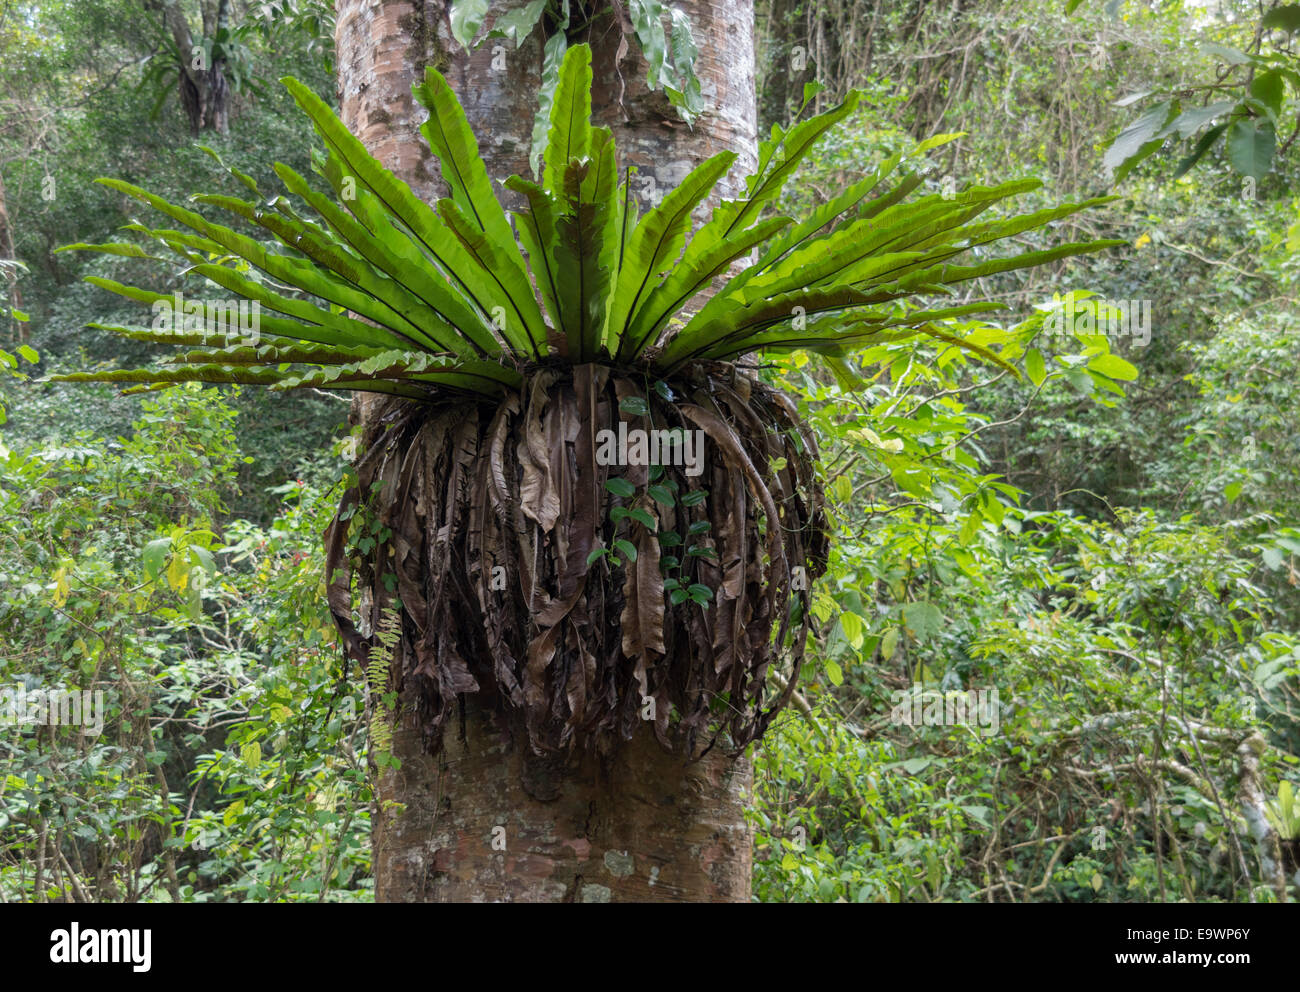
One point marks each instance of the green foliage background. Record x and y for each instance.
(1117, 556)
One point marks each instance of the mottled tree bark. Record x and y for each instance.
(486, 819)
(216, 102)
(649, 133)
(383, 48)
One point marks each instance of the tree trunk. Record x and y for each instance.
(486, 819)
(216, 114)
(648, 132)
(203, 91)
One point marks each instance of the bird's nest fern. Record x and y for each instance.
(585, 597)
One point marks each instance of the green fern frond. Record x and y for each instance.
(388, 631)
(366, 287)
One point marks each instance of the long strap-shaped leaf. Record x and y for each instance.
(586, 250)
(441, 248)
(781, 154)
(843, 330)
(364, 386)
(846, 255)
(392, 252)
(409, 374)
(127, 249)
(601, 188)
(538, 235)
(838, 206)
(188, 373)
(973, 236)
(277, 354)
(522, 325)
(447, 260)
(948, 275)
(348, 329)
(314, 324)
(296, 272)
(427, 227)
(693, 340)
(451, 139)
(419, 322)
(693, 275)
(656, 243)
(178, 338)
(901, 232)
(416, 367)
(570, 134)
(939, 222)
(727, 312)
(192, 247)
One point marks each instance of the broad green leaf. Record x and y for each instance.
(1132, 98)
(1190, 121)
(1250, 147)
(518, 22)
(889, 643)
(620, 487)
(1270, 90)
(854, 629)
(1284, 18)
(1035, 367)
(923, 619)
(449, 135)
(466, 19)
(1114, 367)
(1138, 140)
(1226, 54)
(1198, 151)
(647, 24)
(155, 556)
(682, 55)
(570, 134)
